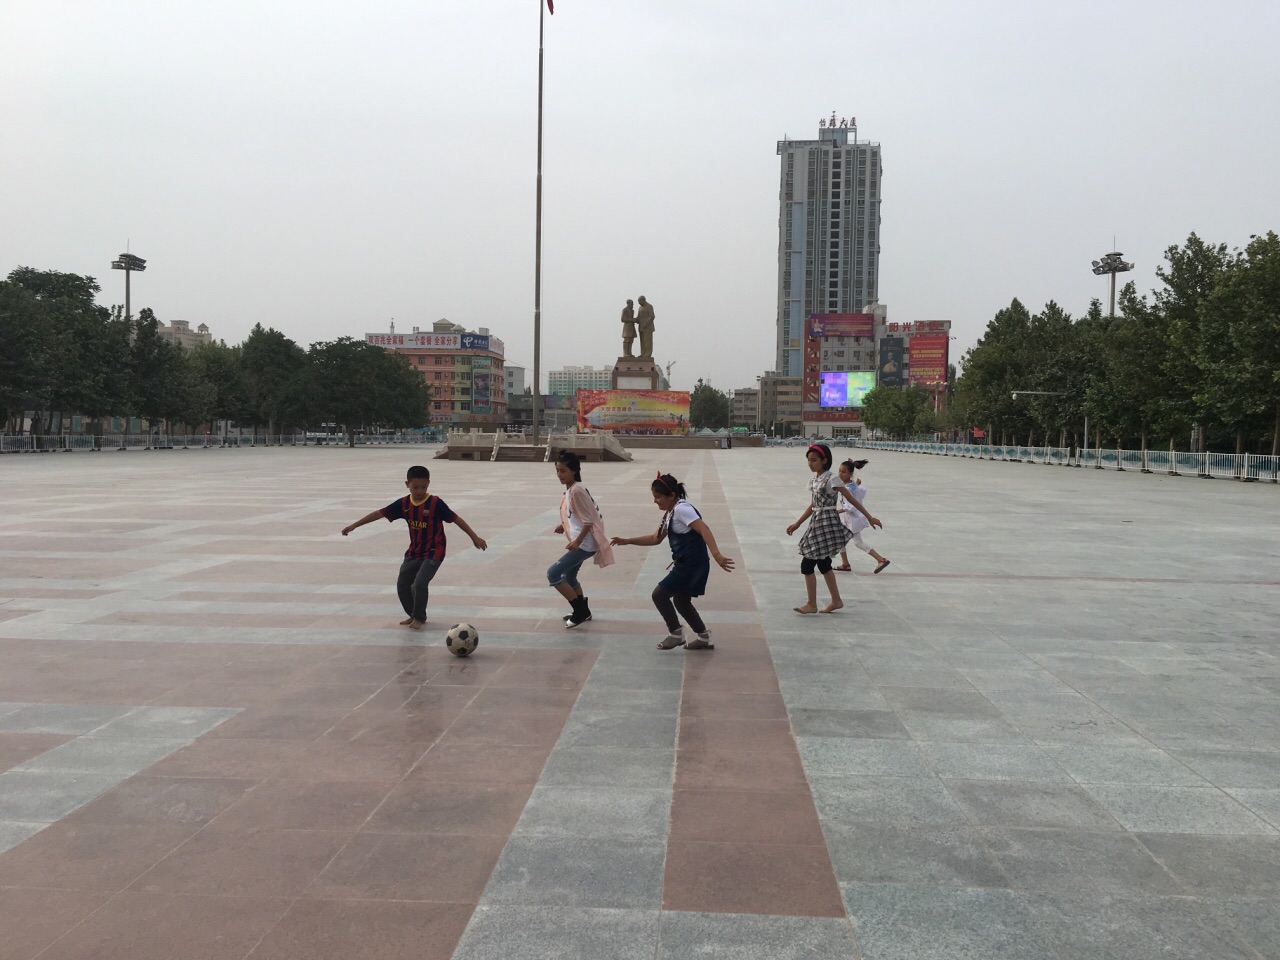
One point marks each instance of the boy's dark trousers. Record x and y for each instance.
(412, 585)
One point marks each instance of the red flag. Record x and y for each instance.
(551, 6)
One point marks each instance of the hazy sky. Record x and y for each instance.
(323, 167)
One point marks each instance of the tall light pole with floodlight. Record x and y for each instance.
(1112, 263)
(129, 264)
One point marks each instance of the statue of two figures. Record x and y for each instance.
(630, 321)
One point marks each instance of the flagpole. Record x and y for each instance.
(537, 256)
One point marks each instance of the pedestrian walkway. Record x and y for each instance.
(1048, 730)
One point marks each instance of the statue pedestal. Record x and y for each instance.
(635, 373)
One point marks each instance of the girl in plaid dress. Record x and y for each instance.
(826, 535)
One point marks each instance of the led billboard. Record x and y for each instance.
(846, 388)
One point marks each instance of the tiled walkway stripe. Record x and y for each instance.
(745, 836)
(584, 863)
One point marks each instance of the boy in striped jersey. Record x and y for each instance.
(426, 516)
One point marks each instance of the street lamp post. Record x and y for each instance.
(129, 264)
(1112, 263)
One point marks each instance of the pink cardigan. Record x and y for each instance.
(584, 508)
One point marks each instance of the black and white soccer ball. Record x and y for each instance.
(462, 639)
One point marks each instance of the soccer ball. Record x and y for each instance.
(461, 639)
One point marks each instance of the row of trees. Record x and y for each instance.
(1202, 352)
(61, 354)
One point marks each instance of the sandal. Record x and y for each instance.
(881, 566)
(672, 641)
(700, 642)
(843, 567)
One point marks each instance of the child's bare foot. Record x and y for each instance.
(807, 608)
(406, 621)
(417, 624)
(833, 606)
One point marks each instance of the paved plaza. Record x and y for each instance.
(1050, 730)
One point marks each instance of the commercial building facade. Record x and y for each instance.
(567, 381)
(828, 232)
(780, 404)
(465, 371)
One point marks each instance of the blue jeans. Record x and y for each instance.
(565, 570)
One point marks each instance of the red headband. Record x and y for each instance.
(663, 483)
(818, 450)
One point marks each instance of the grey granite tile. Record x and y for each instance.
(49, 796)
(939, 700)
(1134, 928)
(649, 703)
(504, 931)
(619, 814)
(1265, 803)
(1018, 803)
(1087, 730)
(589, 729)
(959, 728)
(630, 767)
(639, 678)
(747, 937)
(555, 871)
(13, 832)
(917, 922)
(863, 724)
(1072, 862)
(65, 718)
(1090, 763)
(911, 853)
(1151, 809)
(1225, 867)
(1257, 922)
(103, 755)
(1234, 768)
(900, 799)
(848, 757)
(831, 697)
(988, 761)
(166, 722)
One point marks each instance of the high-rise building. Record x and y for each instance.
(567, 381)
(828, 232)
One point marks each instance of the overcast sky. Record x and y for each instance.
(324, 167)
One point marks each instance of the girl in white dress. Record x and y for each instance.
(852, 518)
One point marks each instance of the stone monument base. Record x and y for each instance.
(636, 373)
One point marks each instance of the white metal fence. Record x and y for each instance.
(68, 443)
(1222, 466)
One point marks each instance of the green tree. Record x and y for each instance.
(270, 361)
(1192, 273)
(26, 333)
(158, 370)
(708, 407)
(359, 386)
(66, 352)
(993, 370)
(220, 367)
(1246, 374)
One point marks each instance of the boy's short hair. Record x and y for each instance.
(418, 473)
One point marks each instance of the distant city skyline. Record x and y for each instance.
(311, 168)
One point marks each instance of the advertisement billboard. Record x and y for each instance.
(481, 385)
(845, 388)
(421, 341)
(890, 369)
(841, 325)
(928, 355)
(633, 411)
(474, 341)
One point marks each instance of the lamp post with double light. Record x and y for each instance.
(1112, 263)
(130, 264)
